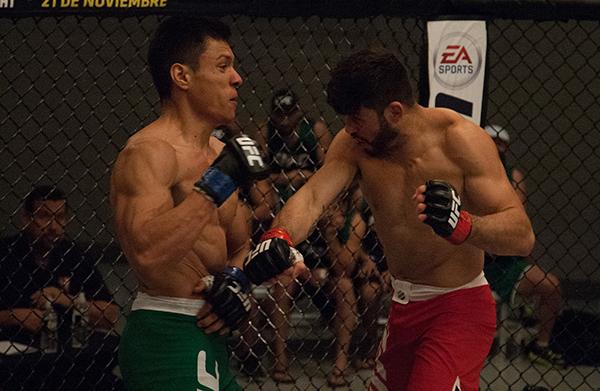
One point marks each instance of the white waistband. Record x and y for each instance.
(176, 305)
(405, 291)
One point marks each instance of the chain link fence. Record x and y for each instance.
(76, 87)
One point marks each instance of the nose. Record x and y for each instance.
(56, 227)
(237, 79)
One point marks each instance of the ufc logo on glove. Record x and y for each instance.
(252, 153)
(455, 211)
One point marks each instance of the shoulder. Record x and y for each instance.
(344, 147)
(146, 157)
(148, 146)
(467, 143)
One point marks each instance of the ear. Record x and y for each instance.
(180, 75)
(393, 112)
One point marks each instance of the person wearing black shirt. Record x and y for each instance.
(42, 270)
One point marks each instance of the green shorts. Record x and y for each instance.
(503, 275)
(168, 352)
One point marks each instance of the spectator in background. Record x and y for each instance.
(255, 202)
(354, 283)
(508, 275)
(294, 143)
(295, 147)
(41, 270)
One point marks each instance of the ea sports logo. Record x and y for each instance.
(457, 60)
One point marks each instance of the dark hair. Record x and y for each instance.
(180, 39)
(42, 193)
(369, 78)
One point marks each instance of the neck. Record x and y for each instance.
(39, 252)
(193, 128)
(412, 121)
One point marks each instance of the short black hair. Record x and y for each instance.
(42, 193)
(180, 39)
(370, 78)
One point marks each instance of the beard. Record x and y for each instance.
(382, 144)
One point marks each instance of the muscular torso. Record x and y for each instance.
(178, 277)
(413, 251)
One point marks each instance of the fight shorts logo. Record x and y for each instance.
(456, 386)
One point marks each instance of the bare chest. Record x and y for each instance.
(210, 248)
(389, 187)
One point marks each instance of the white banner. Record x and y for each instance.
(456, 65)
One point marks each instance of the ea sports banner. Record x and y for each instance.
(456, 65)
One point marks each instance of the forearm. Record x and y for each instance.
(299, 215)
(505, 233)
(6, 318)
(171, 235)
(238, 256)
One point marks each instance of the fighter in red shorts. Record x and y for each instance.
(440, 198)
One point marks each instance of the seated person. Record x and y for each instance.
(41, 270)
(353, 284)
(379, 281)
(508, 275)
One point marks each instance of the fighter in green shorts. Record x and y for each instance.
(178, 219)
(163, 349)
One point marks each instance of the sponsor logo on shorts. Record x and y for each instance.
(457, 60)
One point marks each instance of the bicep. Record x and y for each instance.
(487, 188)
(327, 183)
(141, 183)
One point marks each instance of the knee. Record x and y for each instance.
(343, 284)
(370, 291)
(550, 286)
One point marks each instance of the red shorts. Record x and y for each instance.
(438, 344)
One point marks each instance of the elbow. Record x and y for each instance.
(143, 256)
(526, 243)
(112, 314)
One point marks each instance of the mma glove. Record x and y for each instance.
(239, 162)
(273, 255)
(227, 292)
(443, 211)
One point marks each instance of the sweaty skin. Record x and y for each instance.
(172, 235)
(431, 144)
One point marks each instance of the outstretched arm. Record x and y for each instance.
(304, 208)
(275, 253)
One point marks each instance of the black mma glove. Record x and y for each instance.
(227, 292)
(444, 214)
(273, 255)
(239, 162)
